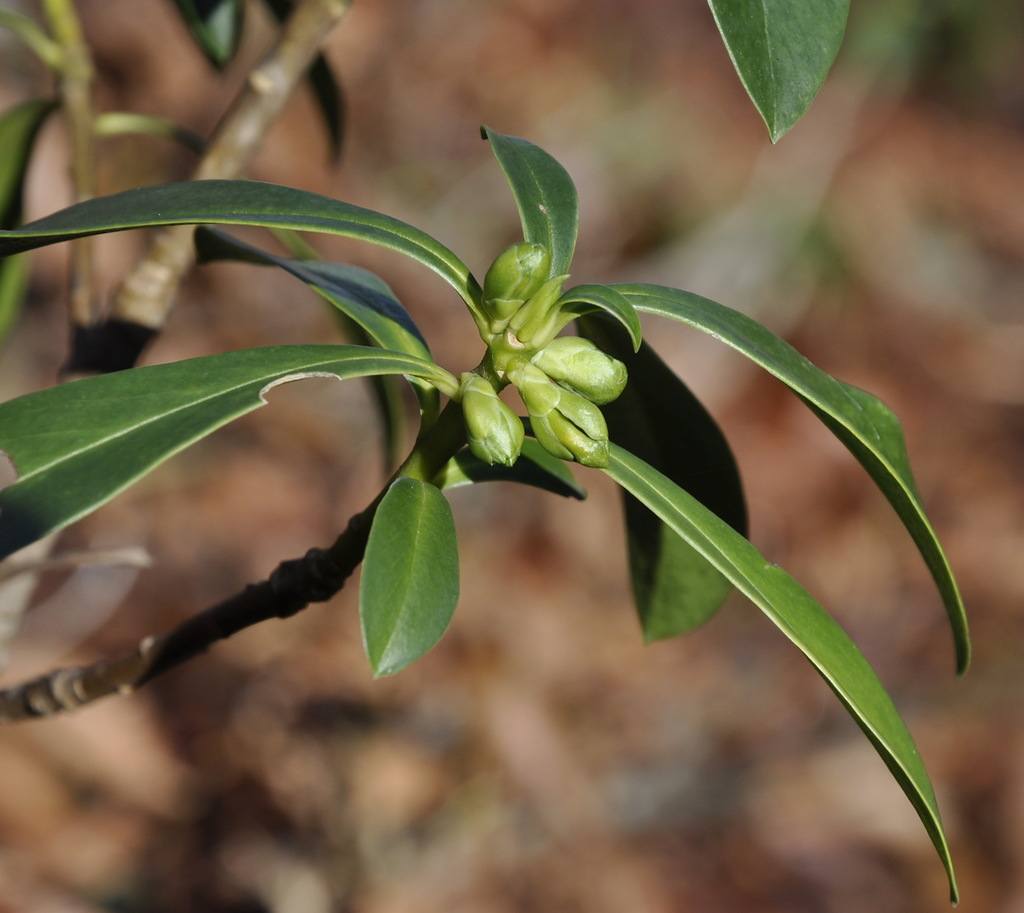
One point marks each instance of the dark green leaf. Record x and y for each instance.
(803, 621)
(588, 299)
(215, 25)
(535, 467)
(328, 94)
(661, 421)
(545, 196)
(864, 424)
(782, 51)
(410, 577)
(78, 445)
(243, 203)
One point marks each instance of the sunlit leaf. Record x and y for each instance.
(796, 614)
(410, 577)
(782, 51)
(864, 424)
(545, 196)
(78, 445)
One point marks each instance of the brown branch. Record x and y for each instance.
(316, 577)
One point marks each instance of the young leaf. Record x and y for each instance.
(243, 203)
(782, 51)
(535, 467)
(863, 423)
(545, 196)
(362, 297)
(661, 421)
(78, 445)
(410, 577)
(792, 609)
(215, 25)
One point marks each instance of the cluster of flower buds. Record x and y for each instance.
(561, 380)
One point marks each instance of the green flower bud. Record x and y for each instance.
(538, 321)
(579, 365)
(564, 423)
(517, 274)
(494, 431)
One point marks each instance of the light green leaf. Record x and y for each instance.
(535, 467)
(78, 445)
(660, 420)
(410, 577)
(864, 424)
(782, 51)
(792, 609)
(243, 203)
(545, 196)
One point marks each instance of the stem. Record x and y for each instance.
(147, 294)
(77, 75)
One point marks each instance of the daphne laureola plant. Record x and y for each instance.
(590, 391)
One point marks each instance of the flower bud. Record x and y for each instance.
(517, 273)
(494, 431)
(538, 321)
(579, 365)
(564, 423)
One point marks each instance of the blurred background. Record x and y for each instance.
(542, 758)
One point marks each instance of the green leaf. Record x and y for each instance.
(535, 467)
(410, 577)
(243, 203)
(782, 51)
(215, 25)
(19, 127)
(78, 445)
(589, 299)
(325, 87)
(360, 296)
(660, 420)
(545, 196)
(791, 608)
(864, 424)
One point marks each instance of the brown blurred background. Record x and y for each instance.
(541, 758)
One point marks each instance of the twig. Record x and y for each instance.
(316, 577)
(147, 294)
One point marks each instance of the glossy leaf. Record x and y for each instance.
(243, 203)
(657, 418)
(326, 91)
(410, 577)
(589, 299)
(78, 445)
(864, 424)
(215, 25)
(792, 609)
(362, 297)
(545, 196)
(782, 51)
(535, 467)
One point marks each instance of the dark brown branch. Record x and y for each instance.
(294, 584)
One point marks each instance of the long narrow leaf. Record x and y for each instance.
(363, 299)
(545, 196)
(535, 467)
(659, 419)
(78, 445)
(588, 299)
(864, 424)
(782, 51)
(410, 578)
(797, 615)
(242, 203)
